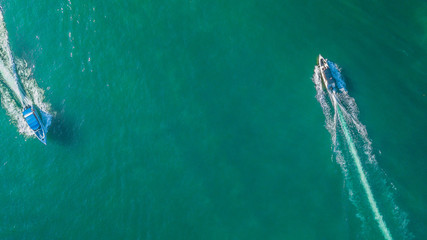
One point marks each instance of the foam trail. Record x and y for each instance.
(7, 66)
(378, 217)
(363, 178)
(15, 96)
(11, 83)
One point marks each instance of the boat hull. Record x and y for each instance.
(326, 74)
(35, 123)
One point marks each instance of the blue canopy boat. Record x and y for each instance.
(331, 76)
(34, 121)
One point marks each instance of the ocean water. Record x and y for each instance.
(199, 120)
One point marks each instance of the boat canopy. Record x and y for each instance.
(328, 76)
(31, 119)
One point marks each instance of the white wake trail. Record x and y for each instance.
(7, 65)
(378, 217)
(14, 96)
(367, 184)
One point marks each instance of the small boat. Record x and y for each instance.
(327, 78)
(34, 121)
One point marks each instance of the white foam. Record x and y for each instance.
(378, 217)
(29, 93)
(356, 172)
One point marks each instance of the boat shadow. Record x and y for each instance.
(62, 130)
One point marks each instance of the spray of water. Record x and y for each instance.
(352, 150)
(16, 94)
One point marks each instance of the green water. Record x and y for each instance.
(198, 119)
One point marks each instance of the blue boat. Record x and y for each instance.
(331, 76)
(34, 121)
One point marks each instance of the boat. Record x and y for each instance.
(34, 121)
(327, 78)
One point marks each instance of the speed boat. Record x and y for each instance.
(34, 121)
(327, 78)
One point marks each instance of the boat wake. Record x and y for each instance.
(15, 95)
(368, 187)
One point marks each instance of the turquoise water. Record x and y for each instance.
(198, 120)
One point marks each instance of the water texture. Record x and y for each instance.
(188, 119)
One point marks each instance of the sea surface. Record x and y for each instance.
(190, 119)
